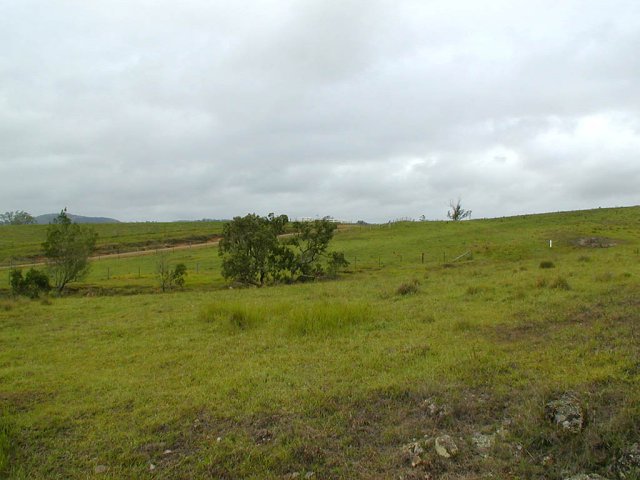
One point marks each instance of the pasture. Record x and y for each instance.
(336, 378)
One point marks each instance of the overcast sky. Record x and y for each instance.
(373, 110)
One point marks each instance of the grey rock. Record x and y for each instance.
(584, 476)
(100, 469)
(483, 443)
(566, 413)
(446, 447)
(628, 465)
(413, 452)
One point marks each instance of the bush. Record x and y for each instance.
(32, 285)
(547, 264)
(336, 263)
(170, 278)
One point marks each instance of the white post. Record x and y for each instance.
(550, 243)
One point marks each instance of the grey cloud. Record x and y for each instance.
(373, 110)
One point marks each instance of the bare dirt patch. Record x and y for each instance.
(595, 242)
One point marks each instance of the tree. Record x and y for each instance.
(253, 254)
(67, 248)
(168, 277)
(457, 213)
(311, 241)
(250, 248)
(18, 217)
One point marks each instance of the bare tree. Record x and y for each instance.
(457, 213)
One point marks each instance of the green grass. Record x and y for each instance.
(19, 243)
(332, 377)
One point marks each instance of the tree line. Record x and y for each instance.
(255, 250)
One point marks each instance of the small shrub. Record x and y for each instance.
(336, 263)
(560, 283)
(541, 282)
(32, 285)
(547, 264)
(169, 278)
(408, 288)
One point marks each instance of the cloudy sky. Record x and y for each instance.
(373, 109)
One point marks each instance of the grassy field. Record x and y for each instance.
(337, 378)
(20, 243)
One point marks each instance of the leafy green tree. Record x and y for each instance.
(250, 249)
(253, 254)
(67, 248)
(457, 213)
(18, 217)
(311, 241)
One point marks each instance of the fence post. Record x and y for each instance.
(422, 259)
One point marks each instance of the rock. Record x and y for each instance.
(483, 443)
(584, 476)
(167, 452)
(548, 460)
(263, 436)
(566, 413)
(292, 476)
(435, 410)
(309, 475)
(628, 465)
(413, 452)
(446, 447)
(152, 467)
(100, 469)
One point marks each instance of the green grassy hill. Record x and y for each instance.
(348, 378)
(21, 243)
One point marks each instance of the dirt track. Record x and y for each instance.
(135, 253)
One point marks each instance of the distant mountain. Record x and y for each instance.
(48, 218)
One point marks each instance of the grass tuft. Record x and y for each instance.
(547, 264)
(408, 288)
(6, 432)
(326, 318)
(233, 316)
(560, 283)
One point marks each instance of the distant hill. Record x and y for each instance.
(48, 218)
